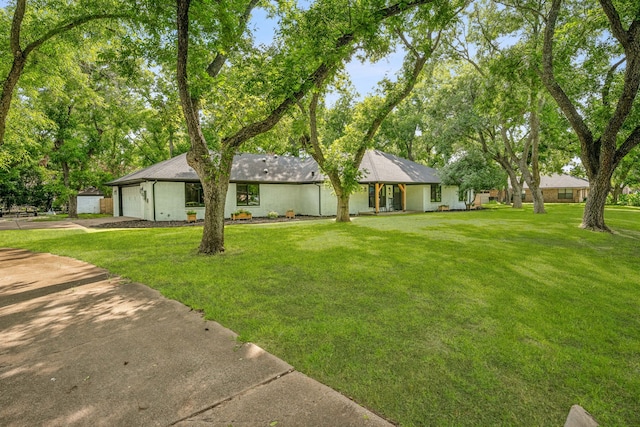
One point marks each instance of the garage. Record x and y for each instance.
(131, 202)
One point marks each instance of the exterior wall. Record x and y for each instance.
(550, 195)
(304, 199)
(116, 201)
(449, 198)
(359, 201)
(273, 198)
(416, 197)
(89, 204)
(310, 196)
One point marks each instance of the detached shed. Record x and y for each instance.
(89, 201)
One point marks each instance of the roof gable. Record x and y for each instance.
(378, 166)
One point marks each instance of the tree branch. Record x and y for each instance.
(16, 26)
(616, 24)
(216, 65)
(320, 73)
(548, 78)
(608, 81)
(70, 26)
(632, 141)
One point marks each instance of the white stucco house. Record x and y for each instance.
(262, 183)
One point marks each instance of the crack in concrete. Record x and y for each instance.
(230, 398)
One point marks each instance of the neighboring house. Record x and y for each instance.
(262, 183)
(560, 188)
(89, 201)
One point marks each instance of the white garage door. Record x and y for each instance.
(131, 202)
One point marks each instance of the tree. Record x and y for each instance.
(627, 174)
(516, 97)
(471, 171)
(606, 133)
(91, 116)
(340, 155)
(409, 130)
(319, 39)
(54, 24)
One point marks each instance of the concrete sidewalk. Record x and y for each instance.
(78, 347)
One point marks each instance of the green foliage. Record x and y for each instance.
(472, 171)
(632, 199)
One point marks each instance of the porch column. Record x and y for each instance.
(377, 188)
(403, 190)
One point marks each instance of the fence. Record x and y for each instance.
(106, 206)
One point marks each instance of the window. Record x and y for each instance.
(247, 194)
(462, 195)
(193, 194)
(436, 193)
(565, 193)
(382, 200)
(372, 196)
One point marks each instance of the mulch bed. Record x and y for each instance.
(141, 223)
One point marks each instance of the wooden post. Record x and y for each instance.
(403, 190)
(378, 186)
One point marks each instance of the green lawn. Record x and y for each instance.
(493, 317)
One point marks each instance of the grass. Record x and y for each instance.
(494, 317)
(63, 217)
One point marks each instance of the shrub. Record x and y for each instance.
(272, 215)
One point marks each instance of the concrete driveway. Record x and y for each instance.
(79, 347)
(33, 223)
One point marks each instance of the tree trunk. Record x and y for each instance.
(215, 194)
(73, 205)
(515, 184)
(615, 194)
(593, 216)
(343, 207)
(7, 90)
(538, 201)
(517, 195)
(215, 186)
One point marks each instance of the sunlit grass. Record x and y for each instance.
(495, 317)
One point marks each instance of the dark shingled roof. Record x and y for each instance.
(376, 166)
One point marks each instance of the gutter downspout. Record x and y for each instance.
(319, 199)
(153, 194)
(120, 201)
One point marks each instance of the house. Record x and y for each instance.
(89, 201)
(263, 183)
(558, 188)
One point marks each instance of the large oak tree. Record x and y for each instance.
(605, 128)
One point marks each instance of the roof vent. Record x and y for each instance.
(313, 173)
(275, 156)
(264, 159)
(266, 171)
